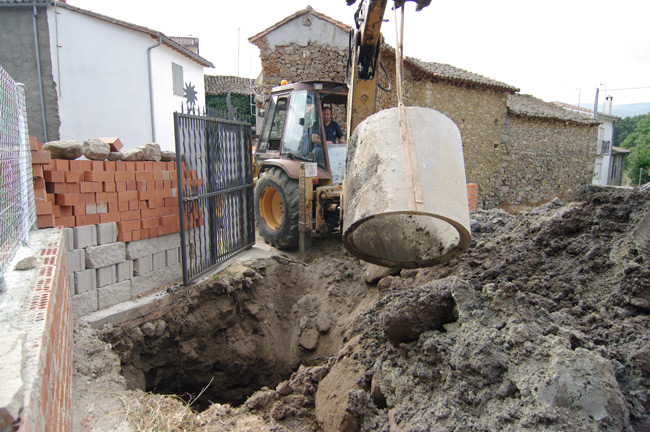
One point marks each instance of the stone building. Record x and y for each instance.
(515, 155)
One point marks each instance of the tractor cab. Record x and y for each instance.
(293, 131)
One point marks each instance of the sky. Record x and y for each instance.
(556, 50)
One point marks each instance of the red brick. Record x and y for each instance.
(62, 188)
(123, 206)
(170, 202)
(54, 176)
(148, 213)
(174, 183)
(141, 185)
(51, 166)
(131, 185)
(169, 220)
(85, 198)
(160, 202)
(74, 176)
(158, 184)
(45, 221)
(164, 193)
(167, 211)
(97, 165)
(86, 187)
(144, 233)
(91, 208)
(51, 198)
(37, 170)
(120, 166)
(134, 205)
(109, 217)
(144, 175)
(131, 165)
(114, 143)
(113, 207)
(131, 225)
(99, 176)
(33, 144)
(102, 207)
(124, 176)
(41, 157)
(65, 221)
(127, 196)
(124, 236)
(79, 209)
(146, 194)
(61, 164)
(110, 166)
(62, 211)
(158, 175)
(120, 186)
(130, 215)
(67, 199)
(109, 187)
(87, 220)
(80, 165)
(159, 166)
(43, 207)
(107, 197)
(151, 222)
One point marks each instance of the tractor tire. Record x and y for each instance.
(276, 208)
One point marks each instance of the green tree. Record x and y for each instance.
(626, 126)
(638, 161)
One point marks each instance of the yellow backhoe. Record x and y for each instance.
(397, 188)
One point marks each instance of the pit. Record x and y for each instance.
(248, 327)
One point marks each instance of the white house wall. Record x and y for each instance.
(297, 31)
(102, 80)
(165, 102)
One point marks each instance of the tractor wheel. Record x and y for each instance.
(276, 208)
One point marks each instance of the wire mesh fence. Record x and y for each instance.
(17, 209)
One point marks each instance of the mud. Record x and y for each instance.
(542, 325)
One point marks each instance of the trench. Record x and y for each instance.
(249, 327)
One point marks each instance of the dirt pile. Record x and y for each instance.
(543, 325)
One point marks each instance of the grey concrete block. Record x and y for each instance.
(84, 236)
(106, 233)
(171, 257)
(106, 276)
(85, 281)
(140, 248)
(68, 236)
(76, 260)
(71, 283)
(105, 255)
(11, 364)
(152, 281)
(124, 270)
(83, 304)
(114, 294)
(143, 265)
(158, 260)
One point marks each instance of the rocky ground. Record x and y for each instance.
(542, 325)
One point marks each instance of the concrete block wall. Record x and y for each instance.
(104, 271)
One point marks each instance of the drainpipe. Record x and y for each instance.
(40, 78)
(153, 121)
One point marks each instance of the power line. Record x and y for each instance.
(629, 88)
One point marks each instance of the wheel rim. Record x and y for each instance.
(271, 208)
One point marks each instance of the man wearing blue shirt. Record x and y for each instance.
(333, 133)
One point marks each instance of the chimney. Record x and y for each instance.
(607, 108)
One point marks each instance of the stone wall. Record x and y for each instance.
(543, 159)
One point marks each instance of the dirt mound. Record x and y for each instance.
(543, 325)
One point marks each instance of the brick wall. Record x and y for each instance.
(49, 399)
(141, 197)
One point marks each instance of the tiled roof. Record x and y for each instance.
(452, 73)
(584, 111)
(153, 33)
(307, 10)
(222, 84)
(185, 40)
(529, 106)
(620, 150)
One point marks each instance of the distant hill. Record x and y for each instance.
(631, 110)
(626, 110)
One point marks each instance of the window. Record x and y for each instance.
(177, 77)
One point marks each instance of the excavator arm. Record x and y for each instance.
(365, 58)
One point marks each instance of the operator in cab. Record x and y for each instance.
(333, 132)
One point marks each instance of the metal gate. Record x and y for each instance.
(215, 191)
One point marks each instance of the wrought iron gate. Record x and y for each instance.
(215, 191)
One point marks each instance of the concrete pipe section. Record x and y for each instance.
(405, 202)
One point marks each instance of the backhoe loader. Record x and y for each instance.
(292, 138)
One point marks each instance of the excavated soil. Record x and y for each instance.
(542, 325)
